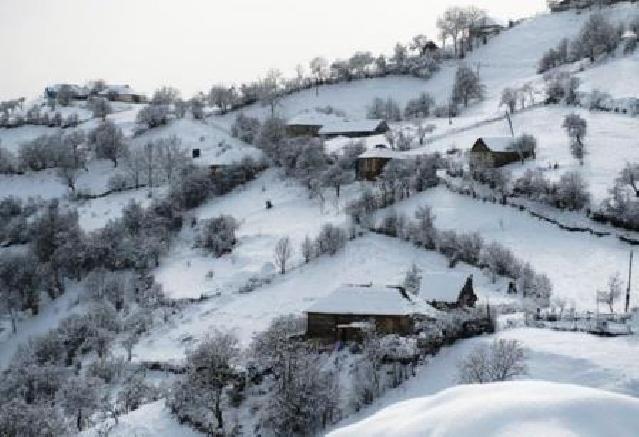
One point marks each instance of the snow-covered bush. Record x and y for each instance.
(384, 109)
(502, 360)
(245, 128)
(100, 107)
(330, 239)
(561, 87)
(419, 107)
(153, 115)
(571, 192)
(217, 235)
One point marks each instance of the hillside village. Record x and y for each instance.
(322, 254)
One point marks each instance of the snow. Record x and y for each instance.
(150, 420)
(370, 301)
(506, 409)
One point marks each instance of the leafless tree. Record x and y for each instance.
(502, 360)
(282, 253)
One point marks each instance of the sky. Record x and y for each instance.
(194, 44)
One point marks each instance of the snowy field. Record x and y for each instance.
(576, 263)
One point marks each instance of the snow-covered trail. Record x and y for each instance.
(576, 263)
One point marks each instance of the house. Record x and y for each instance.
(496, 152)
(353, 129)
(371, 163)
(309, 123)
(78, 92)
(485, 28)
(122, 93)
(346, 313)
(445, 291)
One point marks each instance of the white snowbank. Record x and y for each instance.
(506, 409)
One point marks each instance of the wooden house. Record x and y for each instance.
(309, 123)
(496, 152)
(353, 129)
(77, 92)
(347, 312)
(371, 163)
(122, 93)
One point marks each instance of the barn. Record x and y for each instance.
(353, 129)
(309, 123)
(496, 152)
(348, 311)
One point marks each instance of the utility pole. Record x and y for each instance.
(629, 279)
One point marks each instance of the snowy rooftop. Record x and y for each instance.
(370, 301)
(629, 34)
(499, 144)
(345, 127)
(442, 286)
(314, 118)
(385, 152)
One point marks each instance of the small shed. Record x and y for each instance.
(496, 152)
(354, 129)
(371, 163)
(309, 123)
(347, 311)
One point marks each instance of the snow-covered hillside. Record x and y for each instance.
(505, 409)
(146, 297)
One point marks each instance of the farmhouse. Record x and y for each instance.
(485, 28)
(122, 93)
(371, 163)
(309, 123)
(351, 309)
(78, 92)
(353, 129)
(496, 152)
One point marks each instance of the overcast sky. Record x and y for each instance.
(192, 44)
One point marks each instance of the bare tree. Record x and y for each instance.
(614, 291)
(319, 69)
(576, 128)
(100, 107)
(502, 360)
(282, 253)
(308, 249)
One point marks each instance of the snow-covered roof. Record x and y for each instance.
(442, 286)
(74, 88)
(498, 144)
(338, 143)
(629, 34)
(345, 127)
(370, 301)
(314, 118)
(384, 152)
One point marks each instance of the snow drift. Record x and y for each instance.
(506, 409)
